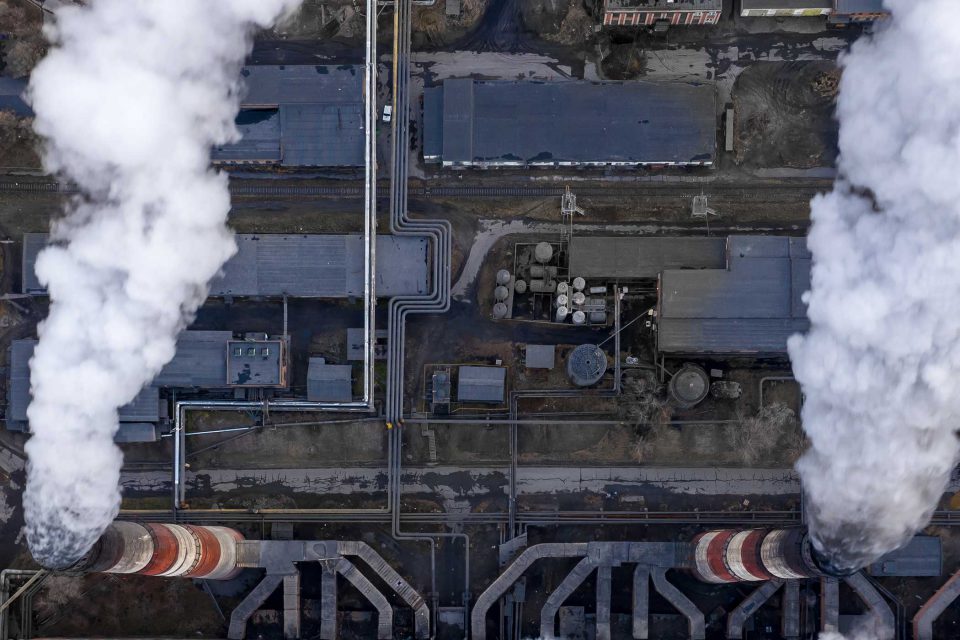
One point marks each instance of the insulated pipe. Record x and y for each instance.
(169, 550)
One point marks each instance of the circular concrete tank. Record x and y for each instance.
(586, 365)
(579, 283)
(543, 252)
(689, 386)
(579, 298)
(501, 293)
(520, 286)
(503, 277)
(579, 317)
(499, 311)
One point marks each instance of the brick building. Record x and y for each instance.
(631, 13)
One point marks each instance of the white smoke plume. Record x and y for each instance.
(880, 368)
(129, 101)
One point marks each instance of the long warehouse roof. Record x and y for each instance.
(496, 123)
(300, 266)
(750, 307)
(628, 257)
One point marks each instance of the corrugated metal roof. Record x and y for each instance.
(11, 96)
(329, 382)
(144, 408)
(136, 432)
(200, 361)
(432, 124)
(515, 123)
(322, 135)
(273, 85)
(921, 557)
(306, 266)
(753, 306)
(859, 6)
(632, 257)
(481, 384)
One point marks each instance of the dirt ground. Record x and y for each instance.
(22, 44)
(784, 115)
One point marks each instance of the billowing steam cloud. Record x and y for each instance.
(881, 366)
(129, 102)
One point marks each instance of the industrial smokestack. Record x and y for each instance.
(755, 555)
(129, 101)
(169, 550)
(880, 365)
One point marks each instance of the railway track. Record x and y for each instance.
(758, 192)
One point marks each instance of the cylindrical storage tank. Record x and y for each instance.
(501, 293)
(578, 298)
(598, 317)
(499, 311)
(586, 364)
(562, 300)
(579, 317)
(579, 283)
(538, 271)
(520, 286)
(689, 386)
(563, 287)
(598, 290)
(708, 553)
(503, 277)
(561, 314)
(169, 550)
(543, 252)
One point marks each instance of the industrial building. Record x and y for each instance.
(750, 307)
(854, 11)
(205, 360)
(299, 266)
(329, 382)
(299, 116)
(481, 384)
(632, 13)
(785, 8)
(472, 123)
(628, 258)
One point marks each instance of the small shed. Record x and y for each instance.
(329, 382)
(256, 363)
(481, 384)
(540, 356)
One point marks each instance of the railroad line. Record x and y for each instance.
(759, 192)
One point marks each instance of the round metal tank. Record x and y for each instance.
(499, 311)
(598, 317)
(563, 287)
(586, 364)
(501, 293)
(563, 300)
(520, 286)
(578, 298)
(579, 317)
(503, 277)
(169, 550)
(579, 284)
(561, 314)
(689, 386)
(543, 252)
(538, 271)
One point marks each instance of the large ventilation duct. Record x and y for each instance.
(754, 555)
(169, 550)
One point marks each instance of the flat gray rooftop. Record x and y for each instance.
(785, 4)
(299, 116)
(922, 556)
(481, 384)
(329, 382)
(628, 258)
(300, 266)
(654, 5)
(256, 363)
(540, 356)
(751, 307)
(200, 361)
(500, 123)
